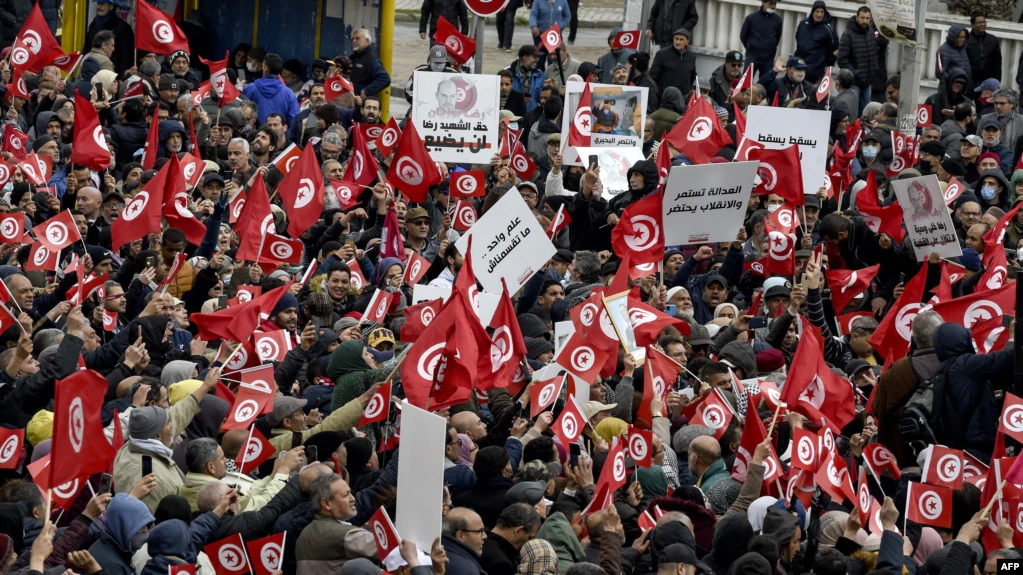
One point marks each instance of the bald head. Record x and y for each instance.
(469, 423)
(89, 201)
(310, 473)
(209, 495)
(124, 388)
(21, 289)
(670, 516)
(703, 452)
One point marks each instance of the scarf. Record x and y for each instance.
(153, 445)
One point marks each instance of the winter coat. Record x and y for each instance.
(1001, 201)
(461, 559)
(673, 69)
(95, 61)
(985, 55)
(452, 10)
(720, 87)
(499, 557)
(653, 99)
(571, 66)
(340, 419)
(648, 170)
(272, 97)
(666, 16)
(13, 14)
(894, 388)
(1004, 162)
(816, 42)
(368, 74)
(124, 40)
(128, 138)
(169, 479)
(125, 516)
(857, 51)
(944, 98)
(165, 130)
(760, 35)
(256, 495)
(557, 531)
(731, 270)
(321, 546)
(538, 134)
(175, 543)
(546, 13)
(535, 78)
(487, 496)
(21, 398)
(716, 472)
(788, 91)
(970, 382)
(951, 57)
(612, 58)
(670, 112)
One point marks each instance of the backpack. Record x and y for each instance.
(929, 418)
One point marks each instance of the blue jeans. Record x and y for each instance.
(863, 94)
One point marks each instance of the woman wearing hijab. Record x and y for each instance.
(610, 428)
(538, 558)
(354, 368)
(178, 370)
(467, 451)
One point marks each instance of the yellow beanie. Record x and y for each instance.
(40, 427)
(182, 389)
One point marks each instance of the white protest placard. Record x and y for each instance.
(420, 475)
(507, 242)
(614, 166)
(562, 331)
(614, 117)
(778, 128)
(707, 203)
(457, 115)
(927, 219)
(487, 301)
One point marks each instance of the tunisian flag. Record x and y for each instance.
(882, 220)
(582, 121)
(302, 191)
(639, 231)
(847, 284)
(893, 335)
(142, 214)
(363, 167)
(968, 310)
(35, 46)
(80, 448)
(776, 166)
(219, 82)
(929, 504)
(255, 220)
(175, 204)
(90, 145)
(699, 134)
(507, 348)
(459, 46)
(58, 232)
(413, 172)
(813, 390)
(156, 32)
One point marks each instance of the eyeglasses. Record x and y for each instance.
(479, 531)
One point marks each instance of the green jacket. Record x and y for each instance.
(341, 419)
(714, 473)
(558, 532)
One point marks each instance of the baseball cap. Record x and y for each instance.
(812, 201)
(380, 335)
(699, 335)
(678, 553)
(717, 278)
(438, 54)
(415, 214)
(508, 115)
(973, 140)
(855, 366)
(211, 177)
(796, 62)
(733, 56)
(168, 82)
(990, 85)
(591, 408)
(775, 287)
(989, 123)
(112, 195)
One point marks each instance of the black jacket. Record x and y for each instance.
(788, 91)
(20, 399)
(499, 557)
(760, 34)
(516, 103)
(670, 68)
(985, 56)
(816, 42)
(461, 559)
(128, 138)
(857, 51)
(255, 524)
(666, 16)
(452, 10)
(485, 498)
(13, 14)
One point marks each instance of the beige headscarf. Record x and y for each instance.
(538, 558)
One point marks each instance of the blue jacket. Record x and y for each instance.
(272, 97)
(368, 74)
(970, 380)
(536, 83)
(816, 42)
(731, 270)
(175, 543)
(546, 13)
(760, 34)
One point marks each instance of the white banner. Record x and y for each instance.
(895, 20)
(706, 204)
(778, 128)
(614, 166)
(420, 475)
(927, 219)
(507, 243)
(487, 301)
(614, 116)
(457, 115)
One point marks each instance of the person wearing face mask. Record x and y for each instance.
(760, 34)
(993, 189)
(931, 154)
(437, 61)
(870, 148)
(793, 85)
(857, 50)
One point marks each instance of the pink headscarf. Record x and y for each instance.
(464, 451)
(930, 542)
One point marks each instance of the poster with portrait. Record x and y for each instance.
(617, 307)
(615, 117)
(614, 166)
(927, 219)
(456, 115)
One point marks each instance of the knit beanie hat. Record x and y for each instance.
(359, 450)
(535, 347)
(146, 422)
(286, 301)
(490, 461)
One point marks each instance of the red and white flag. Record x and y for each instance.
(266, 555)
(944, 467)
(629, 40)
(833, 477)
(923, 116)
(378, 307)
(109, 320)
(953, 190)
(465, 216)
(156, 32)
(6, 171)
(929, 504)
(358, 279)
(272, 345)
(805, 450)
(640, 232)
(467, 184)
(11, 441)
(362, 167)
(893, 334)
(257, 450)
(521, 164)
(813, 390)
(90, 144)
(41, 257)
(336, 85)
(12, 228)
(543, 394)
(34, 46)
(15, 141)
(36, 169)
(776, 164)
(1011, 420)
(560, 222)
(971, 309)
(714, 412)
(641, 446)
(227, 555)
(384, 534)
(753, 434)
(413, 171)
(551, 38)
(507, 348)
(824, 88)
(347, 194)
(389, 136)
(418, 317)
(18, 88)
(251, 399)
(220, 84)
(185, 569)
(646, 521)
(379, 406)
(847, 284)
(281, 249)
(878, 458)
(415, 269)
(581, 357)
(569, 425)
(58, 232)
(582, 121)
(459, 46)
(990, 335)
(302, 191)
(699, 134)
(175, 207)
(286, 160)
(80, 447)
(143, 214)
(745, 84)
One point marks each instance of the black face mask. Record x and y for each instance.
(570, 180)
(926, 167)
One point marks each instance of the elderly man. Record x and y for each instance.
(327, 542)
(206, 464)
(151, 430)
(288, 418)
(990, 130)
(705, 462)
(516, 526)
(463, 538)
(1005, 101)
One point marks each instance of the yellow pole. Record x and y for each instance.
(386, 46)
(73, 25)
(319, 28)
(255, 25)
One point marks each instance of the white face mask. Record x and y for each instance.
(772, 207)
(250, 66)
(770, 10)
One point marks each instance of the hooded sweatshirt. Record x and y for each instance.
(953, 57)
(650, 179)
(816, 42)
(1002, 199)
(272, 97)
(124, 518)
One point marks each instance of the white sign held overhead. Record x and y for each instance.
(614, 166)
(420, 475)
(508, 243)
(457, 115)
(927, 219)
(707, 203)
(778, 128)
(614, 115)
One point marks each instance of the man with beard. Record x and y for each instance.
(454, 261)
(857, 50)
(526, 79)
(279, 127)
(263, 146)
(679, 297)
(172, 138)
(306, 124)
(721, 79)
(113, 303)
(370, 111)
